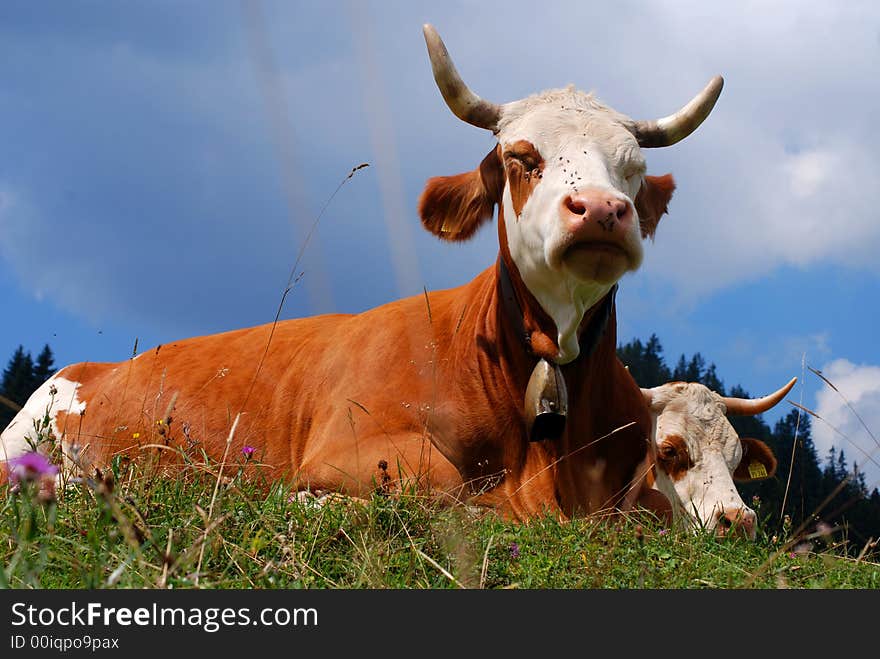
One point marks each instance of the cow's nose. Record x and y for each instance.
(737, 521)
(606, 210)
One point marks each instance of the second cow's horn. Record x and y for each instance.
(752, 406)
(546, 402)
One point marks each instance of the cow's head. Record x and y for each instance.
(569, 178)
(699, 455)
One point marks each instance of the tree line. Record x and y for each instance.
(804, 490)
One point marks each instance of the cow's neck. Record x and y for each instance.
(536, 330)
(497, 459)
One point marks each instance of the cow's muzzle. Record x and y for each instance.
(546, 402)
(739, 522)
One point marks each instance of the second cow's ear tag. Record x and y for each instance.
(757, 470)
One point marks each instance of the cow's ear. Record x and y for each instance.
(757, 463)
(652, 200)
(454, 207)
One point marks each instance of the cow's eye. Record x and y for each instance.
(527, 162)
(667, 452)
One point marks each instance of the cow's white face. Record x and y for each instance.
(573, 172)
(698, 455)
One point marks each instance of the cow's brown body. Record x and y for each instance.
(431, 385)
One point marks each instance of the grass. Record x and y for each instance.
(137, 528)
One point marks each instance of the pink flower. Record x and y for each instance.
(31, 467)
(247, 451)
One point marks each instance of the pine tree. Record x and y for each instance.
(16, 383)
(632, 355)
(859, 481)
(840, 469)
(18, 376)
(645, 362)
(829, 476)
(22, 377)
(695, 368)
(680, 373)
(811, 471)
(44, 367)
(657, 371)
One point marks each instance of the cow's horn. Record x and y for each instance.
(546, 402)
(752, 406)
(675, 127)
(466, 105)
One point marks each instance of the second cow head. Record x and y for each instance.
(699, 455)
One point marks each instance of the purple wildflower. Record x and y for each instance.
(31, 467)
(514, 550)
(247, 451)
(662, 531)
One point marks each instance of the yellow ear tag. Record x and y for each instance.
(757, 469)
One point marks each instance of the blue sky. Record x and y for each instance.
(163, 162)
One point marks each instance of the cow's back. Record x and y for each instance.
(322, 399)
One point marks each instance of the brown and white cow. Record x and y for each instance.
(697, 455)
(435, 385)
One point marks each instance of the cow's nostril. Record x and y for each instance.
(739, 522)
(621, 211)
(575, 207)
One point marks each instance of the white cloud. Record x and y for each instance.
(858, 384)
(808, 171)
(828, 199)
